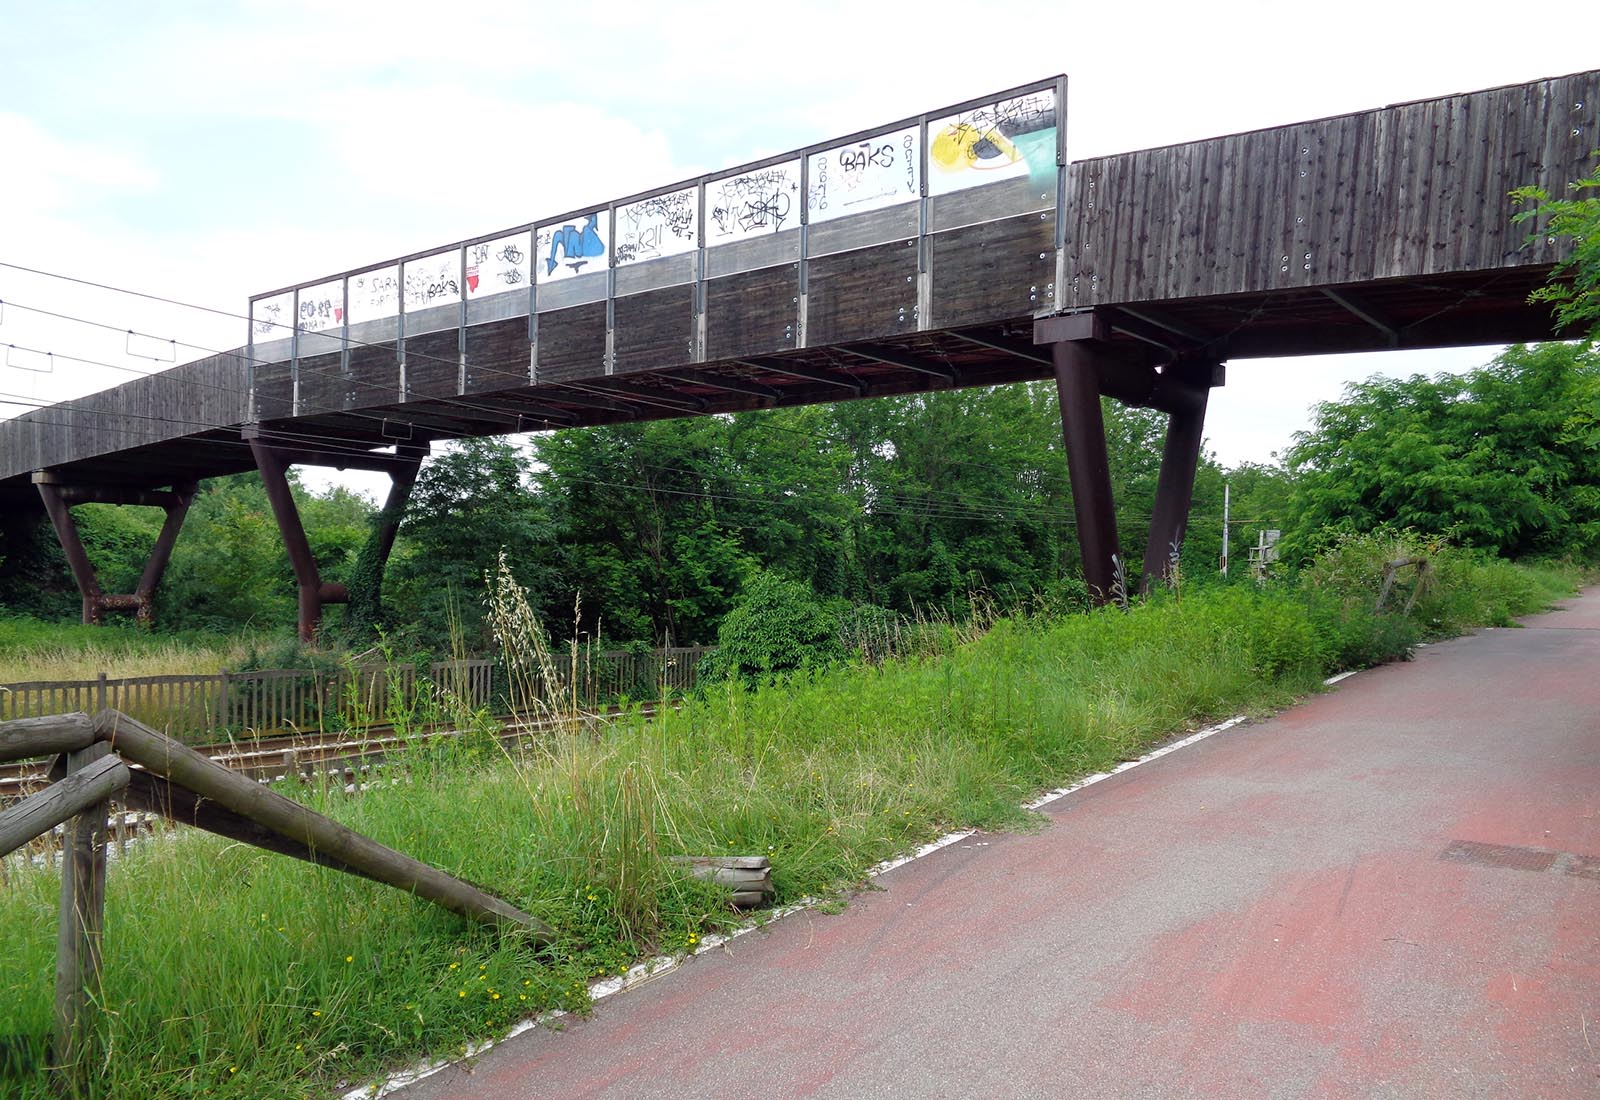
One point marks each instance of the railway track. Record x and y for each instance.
(344, 756)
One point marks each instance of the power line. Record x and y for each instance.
(928, 505)
(345, 337)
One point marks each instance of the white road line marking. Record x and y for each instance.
(662, 965)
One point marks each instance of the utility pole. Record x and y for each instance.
(1226, 488)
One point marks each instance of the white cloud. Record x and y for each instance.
(318, 137)
(46, 174)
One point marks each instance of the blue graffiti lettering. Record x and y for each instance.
(575, 245)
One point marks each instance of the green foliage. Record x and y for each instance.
(1456, 590)
(470, 502)
(1574, 286)
(776, 625)
(309, 978)
(1505, 458)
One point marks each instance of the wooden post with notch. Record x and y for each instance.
(78, 941)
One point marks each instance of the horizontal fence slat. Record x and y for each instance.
(209, 707)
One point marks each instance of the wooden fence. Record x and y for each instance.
(207, 708)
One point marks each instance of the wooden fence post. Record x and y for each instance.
(78, 941)
(222, 701)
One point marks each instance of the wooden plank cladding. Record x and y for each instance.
(184, 401)
(433, 364)
(1411, 190)
(274, 391)
(498, 355)
(753, 313)
(374, 376)
(324, 385)
(862, 295)
(654, 329)
(572, 343)
(993, 270)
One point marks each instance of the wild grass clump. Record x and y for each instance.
(31, 649)
(231, 971)
(1444, 591)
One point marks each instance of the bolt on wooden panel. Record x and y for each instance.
(654, 329)
(867, 294)
(572, 343)
(993, 271)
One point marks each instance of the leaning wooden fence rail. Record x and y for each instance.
(111, 753)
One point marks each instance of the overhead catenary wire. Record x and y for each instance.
(927, 505)
(453, 402)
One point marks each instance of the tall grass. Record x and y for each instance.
(234, 972)
(31, 649)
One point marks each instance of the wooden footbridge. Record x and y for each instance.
(958, 248)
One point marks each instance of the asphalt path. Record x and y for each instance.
(1391, 890)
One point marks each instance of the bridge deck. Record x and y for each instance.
(1378, 229)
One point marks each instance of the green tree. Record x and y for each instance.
(1506, 458)
(470, 501)
(1574, 286)
(229, 568)
(776, 625)
(958, 491)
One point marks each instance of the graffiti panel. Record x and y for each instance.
(494, 267)
(1011, 139)
(865, 175)
(321, 307)
(433, 281)
(577, 246)
(375, 295)
(270, 318)
(662, 225)
(753, 204)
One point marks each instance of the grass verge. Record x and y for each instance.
(31, 649)
(233, 972)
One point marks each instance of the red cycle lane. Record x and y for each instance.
(1392, 890)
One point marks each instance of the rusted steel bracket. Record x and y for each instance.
(59, 496)
(274, 462)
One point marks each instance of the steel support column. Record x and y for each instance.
(274, 462)
(308, 578)
(59, 497)
(1083, 430)
(1186, 389)
(401, 481)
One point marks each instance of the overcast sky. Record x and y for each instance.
(207, 151)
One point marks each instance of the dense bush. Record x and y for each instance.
(776, 625)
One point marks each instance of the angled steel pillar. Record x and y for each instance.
(1083, 430)
(1087, 366)
(59, 496)
(274, 463)
(1185, 389)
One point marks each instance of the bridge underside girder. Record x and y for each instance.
(1124, 345)
(274, 459)
(1441, 311)
(60, 495)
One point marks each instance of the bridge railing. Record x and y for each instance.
(944, 219)
(205, 708)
